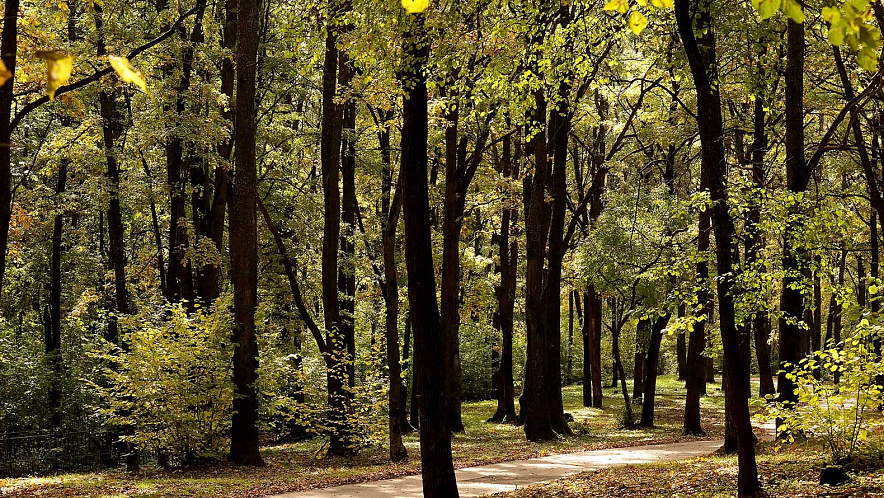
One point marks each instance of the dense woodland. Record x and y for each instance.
(230, 222)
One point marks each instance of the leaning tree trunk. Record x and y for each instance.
(435, 435)
(704, 68)
(244, 448)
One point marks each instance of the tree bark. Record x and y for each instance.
(8, 52)
(797, 178)
(651, 367)
(244, 448)
(435, 435)
(704, 68)
(53, 327)
(593, 348)
(508, 250)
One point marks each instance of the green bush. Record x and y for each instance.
(171, 383)
(837, 414)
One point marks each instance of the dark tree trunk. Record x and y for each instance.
(435, 435)
(8, 52)
(593, 327)
(698, 364)
(754, 245)
(642, 334)
(681, 352)
(390, 208)
(508, 249)
(452, 223)
(651, 367)
(53, 329)
(339, 397)
(628, 414)
(569, 366)
(112, 129)
(701, 58)
(244, 243)
(797, 178)
(349, 207)
(209, 276)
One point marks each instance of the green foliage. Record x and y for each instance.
(842, 415)
(171, 382)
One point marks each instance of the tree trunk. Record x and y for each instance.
(390, 208)
(435, 435)
(593, 326)
(508, 249)
(452, 223)
(244, 448)
(339, 397)
(701, 58)
(681, 352)
(53, 329)
(112, 129)
(754, 245)
(8, 52)
(651, 367)
(797, 178)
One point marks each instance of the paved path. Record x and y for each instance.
(507, 476)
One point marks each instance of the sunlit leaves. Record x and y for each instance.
(621, 6)
(415, 6)
(59, 66)
(126, 72)
(849, 24)
(766, 8)
(5, 73)
(637, 22)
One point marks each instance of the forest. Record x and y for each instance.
(251, 247)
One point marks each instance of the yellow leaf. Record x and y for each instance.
(637, 22)
(5, 74)
(663, 4)
(621, 6)
(126, 72)
(59, 66)
(415, 6)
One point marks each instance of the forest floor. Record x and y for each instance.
(295, 467)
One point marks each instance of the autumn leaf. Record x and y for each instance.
(766, 8)
(415, 6)
(126, 72)
(5, 74)
(59, 65)
(621, 6)
(637, 22)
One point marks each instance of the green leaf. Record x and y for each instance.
(766, 8)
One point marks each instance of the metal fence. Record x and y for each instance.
(55, 451)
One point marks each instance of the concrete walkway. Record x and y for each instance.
(507, 476)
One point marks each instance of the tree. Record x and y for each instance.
(435, 440)
(244, 242)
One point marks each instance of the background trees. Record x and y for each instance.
(540, 154)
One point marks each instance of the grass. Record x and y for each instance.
(294, 467)
(784, 472)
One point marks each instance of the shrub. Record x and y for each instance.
(171, 383)
(837, 414)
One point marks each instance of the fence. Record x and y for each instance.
(54, 451)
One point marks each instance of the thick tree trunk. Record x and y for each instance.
(797, 178)
(701, 58)
(244, 448)
(435, 440)
(8, 52)
(337, 370)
